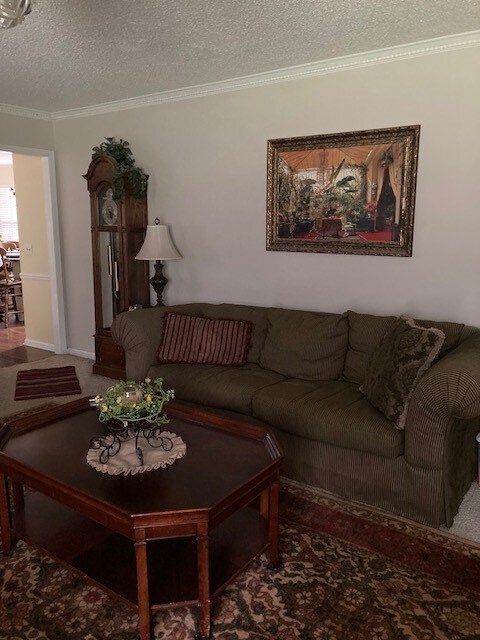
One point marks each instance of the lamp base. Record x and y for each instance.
(158, 282)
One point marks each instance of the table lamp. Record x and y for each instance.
(158, 246)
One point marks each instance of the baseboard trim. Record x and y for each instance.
(39, 345)
(81, 354)
(34, 276)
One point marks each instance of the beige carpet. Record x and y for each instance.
(467, 521)
(90, 384)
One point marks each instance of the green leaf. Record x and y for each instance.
(120, 151)
(345, 181)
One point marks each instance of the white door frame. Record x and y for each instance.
(53, 241)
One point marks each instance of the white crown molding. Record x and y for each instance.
(298, 72)
(24, 112)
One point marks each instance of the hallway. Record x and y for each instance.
(12, 349)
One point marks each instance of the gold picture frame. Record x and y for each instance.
(348, 193)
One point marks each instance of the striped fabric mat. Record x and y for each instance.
(45, 383)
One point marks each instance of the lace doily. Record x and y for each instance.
(126, 461)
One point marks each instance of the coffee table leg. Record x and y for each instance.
(144, 622)
(203, 569)
(273, 525)
(264, 497)
(5, 517)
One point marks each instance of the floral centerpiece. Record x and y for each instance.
(130, 402)
(132, 410)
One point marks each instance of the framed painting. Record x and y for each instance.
(344, 192)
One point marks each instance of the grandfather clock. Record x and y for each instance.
(120, 281)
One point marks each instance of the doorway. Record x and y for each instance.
(41, 268)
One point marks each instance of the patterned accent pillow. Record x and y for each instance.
(199, 340)
(398, 362)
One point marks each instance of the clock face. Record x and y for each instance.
(109, 209)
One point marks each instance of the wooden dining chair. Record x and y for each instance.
(10, 291)
(9, 245)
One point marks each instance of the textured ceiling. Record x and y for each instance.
(75, 53)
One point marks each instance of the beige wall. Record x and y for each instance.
(18, 131)
(207, 163)
(30, 196)
(6, 174)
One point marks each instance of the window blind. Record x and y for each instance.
(8, 214)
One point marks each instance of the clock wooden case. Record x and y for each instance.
(120, 281)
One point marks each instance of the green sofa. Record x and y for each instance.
(302, 378)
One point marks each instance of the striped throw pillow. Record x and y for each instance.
(196, 340)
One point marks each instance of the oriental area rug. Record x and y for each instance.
(350, 573)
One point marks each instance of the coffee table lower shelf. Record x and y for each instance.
(108, 558)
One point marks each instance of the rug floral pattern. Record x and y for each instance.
(350, 573)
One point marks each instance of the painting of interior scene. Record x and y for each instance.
(350, 192)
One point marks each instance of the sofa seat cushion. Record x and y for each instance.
(214, 385)
(334, 412)
(305, 345)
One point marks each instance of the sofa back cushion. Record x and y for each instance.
(305, 345)
(453, 331)
(197, 340)
(366, 331)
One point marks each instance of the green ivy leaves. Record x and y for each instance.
(120, 151)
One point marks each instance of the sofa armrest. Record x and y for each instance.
(449, 391)
(139, 333)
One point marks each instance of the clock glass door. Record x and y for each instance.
(110, 276)
(108, 241)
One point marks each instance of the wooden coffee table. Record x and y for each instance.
(202, 520)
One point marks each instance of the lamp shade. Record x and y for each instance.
(158, 244)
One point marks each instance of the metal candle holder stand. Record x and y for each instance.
(118, 433)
